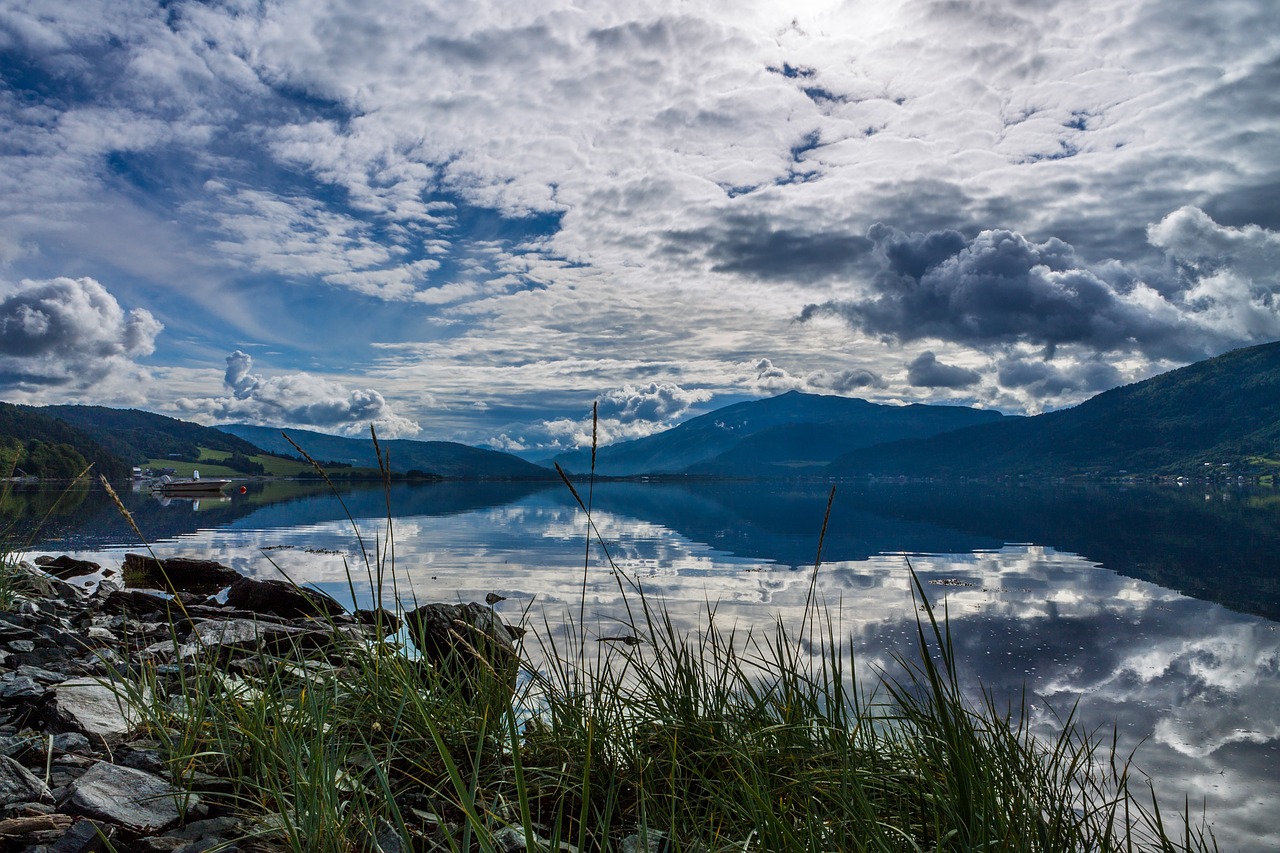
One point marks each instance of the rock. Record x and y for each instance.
(43, 676)
(18, 745)
(86, 836)
(131, 798)
(94, 708)
(67, 567)
(464, 641)
(19, 785)
(136, 602)
(14, 686)
(177, 573)
(390, 622)
(281, 598)
(70, 742)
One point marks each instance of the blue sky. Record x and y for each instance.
(469, 221)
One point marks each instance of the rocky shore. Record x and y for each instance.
(80, 771)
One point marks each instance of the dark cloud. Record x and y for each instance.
(925, 371)
(845, 381)
(1045, 379)
(760, 249)
(1217, 289)
(70, 332)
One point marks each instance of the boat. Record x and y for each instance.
(192, 485)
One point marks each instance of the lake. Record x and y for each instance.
(1157, 608)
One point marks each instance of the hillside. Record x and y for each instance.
(30, 439)
(793, 433)
(1225, 409)
(137, 436)
(446, 458)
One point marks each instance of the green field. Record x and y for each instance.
(275, 466)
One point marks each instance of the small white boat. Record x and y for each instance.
(192, 485)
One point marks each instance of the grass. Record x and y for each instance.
(710, 740)
(275, 466)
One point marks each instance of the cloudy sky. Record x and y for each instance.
(470, 220)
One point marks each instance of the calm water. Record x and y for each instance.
(1158, 609)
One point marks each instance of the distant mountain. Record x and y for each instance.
(790, 434)
(446, 458)
(137, 436)
(1224, 409)
(22, 427)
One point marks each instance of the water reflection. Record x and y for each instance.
(1046, 589)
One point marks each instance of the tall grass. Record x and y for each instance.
(711, 740)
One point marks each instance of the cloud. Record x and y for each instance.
(1000, 289)
(72, 334)
(1043, 379)
(845, 381)
(657, 401)
(298, 399)
(925, 371)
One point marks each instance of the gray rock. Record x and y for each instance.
(22, 645)
(40, 674)
(95, 708)
(131, 798)
(281, 598)
(19, 785)
(85, 836)
(20, 744)
(14, 686)
(70, 742)
(464, 641)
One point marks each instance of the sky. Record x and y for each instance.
(470, 221)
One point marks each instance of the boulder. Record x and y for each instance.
(281, 598)
(465, 642)
(67, 567)
(177, 573)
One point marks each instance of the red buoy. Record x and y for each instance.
(244, 490)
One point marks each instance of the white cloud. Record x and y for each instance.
(297, 399)
(71, 334)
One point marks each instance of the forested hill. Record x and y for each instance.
(137, 436)
(445, 458)
(35, 443)
(1223, 410)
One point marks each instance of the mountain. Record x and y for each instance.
(36, 442)
(1225, 409)
(779, 436)
(137, 436)
(446, 458)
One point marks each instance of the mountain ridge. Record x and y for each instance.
(1223, 408)
(445, 458)
(815, 425)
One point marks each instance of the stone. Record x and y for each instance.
(40, 674)
(19, 785)
(281, 598)
(133, 799)
(86, 836)
(94, 707)
(390, 622)
(18, 745)
(67, 567)
(14, 686)
(177, 573)
(70, 742)
(463, 639)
